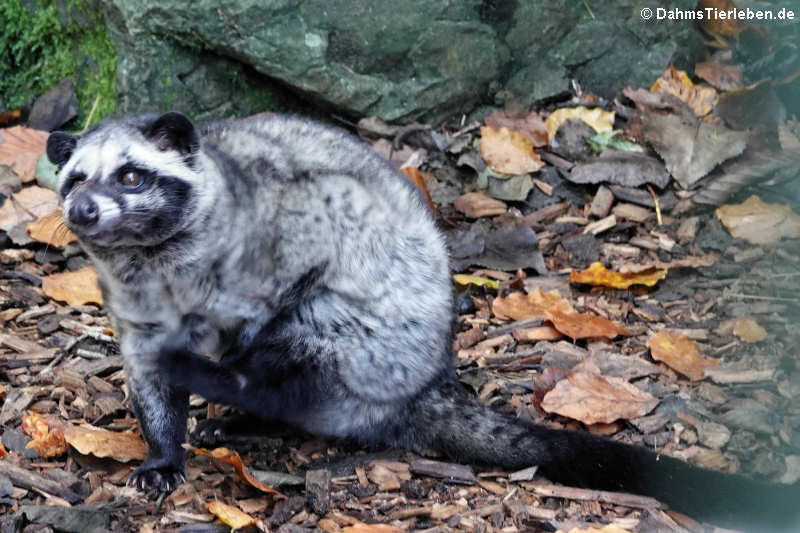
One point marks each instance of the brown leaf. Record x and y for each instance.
(726, 27)
(723, 76)
(50, 229)
(225, 455)
(690, 261)
(418, 179)
(748, 330)
(20, 148)
(477, 204)
(758, 222)
(121, 446)
(680, 353)
(592, 398)
(597, 274)
(531, 126)
(47, 441)
(536, 304)
(230, 515)
(78, 287)
(584, 325)
(701, 99)
(28, 204)
(508, 152)
(596, 117)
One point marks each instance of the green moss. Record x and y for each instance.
(45, 41)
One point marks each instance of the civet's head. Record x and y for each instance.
(129, 182)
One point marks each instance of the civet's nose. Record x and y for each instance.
(84, 212)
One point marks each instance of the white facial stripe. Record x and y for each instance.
(107, 207)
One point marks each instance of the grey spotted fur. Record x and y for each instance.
(312, 279)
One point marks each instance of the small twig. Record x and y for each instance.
(91, 114)
(656, 203)
(589, 9)
(759, 297)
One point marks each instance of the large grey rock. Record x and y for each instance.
(399, 60)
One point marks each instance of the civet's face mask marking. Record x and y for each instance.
(127, 184)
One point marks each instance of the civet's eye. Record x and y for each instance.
(130, 178)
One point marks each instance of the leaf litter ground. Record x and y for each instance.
(597, 303)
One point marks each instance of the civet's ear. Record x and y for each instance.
(60, 146)
(174, 131)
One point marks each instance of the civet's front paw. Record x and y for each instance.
(155, 477)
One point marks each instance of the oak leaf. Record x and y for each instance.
(78, 287)
(508, 152)
(679, 353)
(536, 304)
(758, 222)
(597, 274)
(20, 148)
(584, 325)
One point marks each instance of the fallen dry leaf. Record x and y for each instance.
(47, 441)
(230, 515)
(598, 118)
(536, 304)
(592, 398)
(584, 325)
(597, 274)
(418, 179)
(758, 222)
(480, 281)
(727, 26)
(361, 527)
(508, 152)
(680, 353)
(723, 76)
(50, 229)
(700, 98)
(20, 148)
(531, 126)
(78, 287)
(551, 306)
(477, 204)
(28, 204)
(691, 149)
(225, 455)
(121, 446)
(748, 330)
(690, 261)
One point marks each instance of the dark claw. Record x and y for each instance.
(153, 480)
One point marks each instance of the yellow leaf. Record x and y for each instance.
(508, 151)
(700, 98)
(50, 229)
(598, 118)
(467, 279)
(597, 274)
(748, 330)
(680, 353)
(230, 515)
(122, 446)
(78, 287)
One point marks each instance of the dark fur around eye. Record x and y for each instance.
(73, 179)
